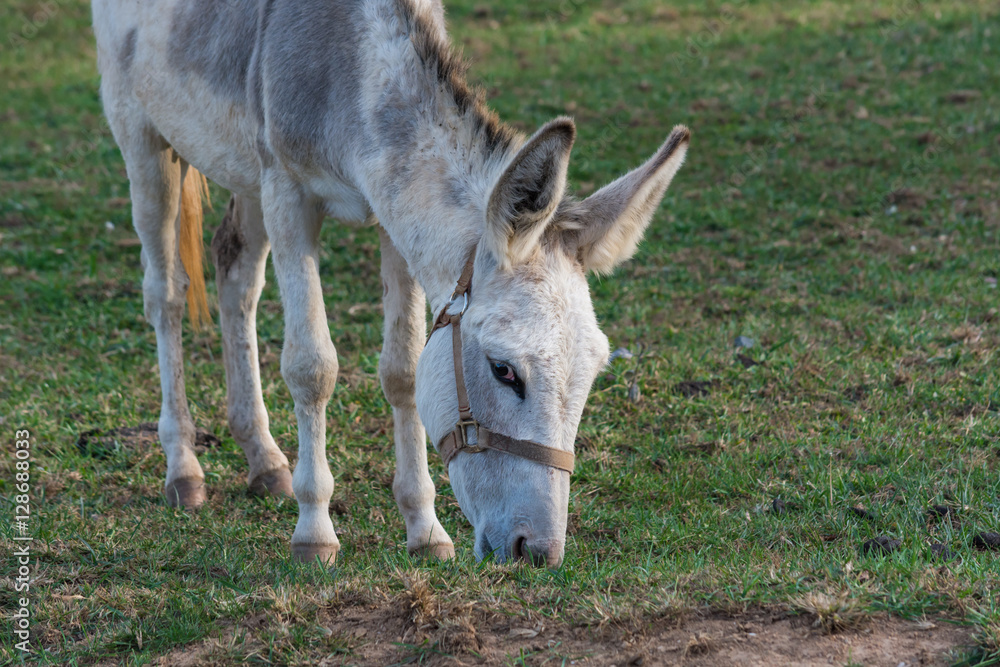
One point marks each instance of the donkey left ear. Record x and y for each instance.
(525, 198)
(616, 216)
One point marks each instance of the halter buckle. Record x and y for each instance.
(464, 445)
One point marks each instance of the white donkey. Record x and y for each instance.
(359, 110)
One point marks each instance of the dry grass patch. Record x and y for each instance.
(441, 620)
(832, 612)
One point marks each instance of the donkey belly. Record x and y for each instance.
(184, 64)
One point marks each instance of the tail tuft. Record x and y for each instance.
(192, 245)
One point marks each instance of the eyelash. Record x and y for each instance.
(505, 373)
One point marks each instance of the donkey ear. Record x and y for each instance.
(525, 198)
(616, 216)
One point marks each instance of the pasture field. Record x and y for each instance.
(839, 209)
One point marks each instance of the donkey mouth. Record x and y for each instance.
(483, 547)
(539, 553)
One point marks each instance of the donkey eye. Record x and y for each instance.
(506, 374)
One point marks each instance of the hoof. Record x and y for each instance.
(186, 492)
(277, 482)
(308, 553)
(440, 551)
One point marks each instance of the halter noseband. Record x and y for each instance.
(457, 440)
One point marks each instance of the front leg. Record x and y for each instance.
(308, 360)
(405, 328)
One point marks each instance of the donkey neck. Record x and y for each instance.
(434, 150)
(432, 205)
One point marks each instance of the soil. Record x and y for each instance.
(754, 638)
(385, 635)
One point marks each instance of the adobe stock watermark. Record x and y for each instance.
(586, 156)
(901, 12)
(100, 137)
(41, 16)
(695, 45)
(913, 169)
(21, 618)
(783, 129)
(561, 13)
(708, 36)
(31, 25)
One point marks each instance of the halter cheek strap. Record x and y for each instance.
(457, 440)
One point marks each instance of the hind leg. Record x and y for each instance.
(155, 176)
(239, 250)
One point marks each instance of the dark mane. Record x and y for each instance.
(448, 66)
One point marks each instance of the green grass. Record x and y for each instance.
(839, 206)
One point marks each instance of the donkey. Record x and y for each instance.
(359, 110)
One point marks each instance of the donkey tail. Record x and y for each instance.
(192, 245)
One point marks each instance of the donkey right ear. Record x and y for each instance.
(616, 216)
(528, 192)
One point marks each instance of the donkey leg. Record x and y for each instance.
(155, 178)
(239, 251)
(308, 360)
(405, 328)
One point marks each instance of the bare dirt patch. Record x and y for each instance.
(407, 629)
(763, 639)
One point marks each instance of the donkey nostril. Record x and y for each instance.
(518, 550)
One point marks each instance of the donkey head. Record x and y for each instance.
(531, 345)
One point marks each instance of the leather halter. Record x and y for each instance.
(457, 440)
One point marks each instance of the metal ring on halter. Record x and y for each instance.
(465, 304)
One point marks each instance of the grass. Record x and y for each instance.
(839, 208)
